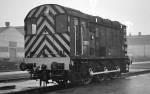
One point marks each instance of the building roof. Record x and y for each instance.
(19, 28)
(3, 29)
(58, 9)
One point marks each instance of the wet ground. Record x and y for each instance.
(6, 76)
(139, 84)
(131, 85)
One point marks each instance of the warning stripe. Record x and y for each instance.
(39, 11)
(58, 42)
(39, 21)
(28, 49)
(37, 43)
(47, 50)
(62, 42)
(50, 19)
(65, 39)
(27, 40)
(52, 10)
(45, 23)
(58, 39)
(31, 42)
(40, 47)
(51, 43)
(31, 13)
(59, 9)
(55, 46)
(53, 51)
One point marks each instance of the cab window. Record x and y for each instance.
(31, 27)
(61, 23)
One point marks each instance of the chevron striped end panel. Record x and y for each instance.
(46, 42)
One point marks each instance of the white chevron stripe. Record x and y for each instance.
(50, 18)
(66, 36)
(49, 55)
(40, 48)
(63, 42)
(31, 13)
(60, 39)
(36, 44)
(59, 9)
(59, 47)
(48, 45)
(52, 10)
(50, 27)
(41, 27)
(39, 20)
(55, 43)
(30, 43)
(51, 48)
(39, 11)
(27, 39)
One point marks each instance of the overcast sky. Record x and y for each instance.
(134, 13)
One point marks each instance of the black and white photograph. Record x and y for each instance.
(74, 47)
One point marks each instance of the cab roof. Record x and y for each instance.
(69, 11)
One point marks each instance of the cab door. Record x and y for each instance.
(84, 38)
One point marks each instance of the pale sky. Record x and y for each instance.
(134, 13)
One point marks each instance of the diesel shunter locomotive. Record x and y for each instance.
(68, 46)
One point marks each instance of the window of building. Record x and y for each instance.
(12, 49)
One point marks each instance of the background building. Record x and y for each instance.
(11, 42)
(139, 47)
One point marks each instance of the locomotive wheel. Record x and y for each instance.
(115, 74)
(100, 77)
(87, 80)
(61, 82)
(112, 75)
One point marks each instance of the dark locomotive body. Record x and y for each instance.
(72, 46)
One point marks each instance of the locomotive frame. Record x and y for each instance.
(66, 45)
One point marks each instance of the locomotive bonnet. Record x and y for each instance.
(73, 46)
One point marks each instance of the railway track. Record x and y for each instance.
(42, 90)
(13, 76)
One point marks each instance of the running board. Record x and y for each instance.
(103, 72)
